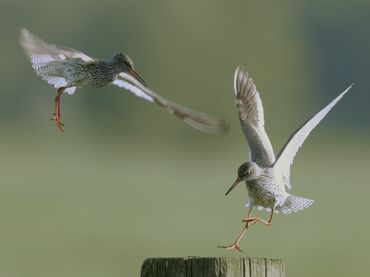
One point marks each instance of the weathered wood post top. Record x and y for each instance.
(212, 267)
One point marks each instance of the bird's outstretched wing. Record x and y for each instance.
(249, 105)
(36, 49)
(201, 121)
(290, 149)
(42, 53)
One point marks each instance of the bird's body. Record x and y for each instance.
(267, 177)
(78, 73)
(266, 190)
(263, 190)
(67, 69)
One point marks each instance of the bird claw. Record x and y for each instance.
(232, 246)
(58, 122)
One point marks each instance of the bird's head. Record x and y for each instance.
(247, 171)
(126, 65)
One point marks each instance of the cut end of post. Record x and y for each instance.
(213, 266)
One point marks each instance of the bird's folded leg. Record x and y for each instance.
(56, 115)
(255, 219)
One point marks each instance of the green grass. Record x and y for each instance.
(78, 207)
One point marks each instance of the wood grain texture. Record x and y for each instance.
(212, 267)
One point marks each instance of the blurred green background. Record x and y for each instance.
(128, 181)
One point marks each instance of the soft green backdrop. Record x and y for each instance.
(128, 181)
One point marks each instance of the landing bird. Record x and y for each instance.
(266, 177)
(67, 69)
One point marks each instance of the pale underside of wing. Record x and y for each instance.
(42, 54)
(290, 149)
(249, 105)
(201, 121)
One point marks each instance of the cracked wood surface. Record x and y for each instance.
(212, 267)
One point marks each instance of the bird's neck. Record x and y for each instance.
(115, 66)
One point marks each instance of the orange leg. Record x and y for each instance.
(236, 245)
(56, 115)
(253, 220)
(247, 221)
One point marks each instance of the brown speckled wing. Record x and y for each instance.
(42, 55)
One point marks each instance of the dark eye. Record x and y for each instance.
(248, 173)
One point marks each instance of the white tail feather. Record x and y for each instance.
(294, 204)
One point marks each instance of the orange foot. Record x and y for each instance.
(58, 121)
(235, 246)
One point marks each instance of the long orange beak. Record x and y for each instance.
(237, 181)
(137, 77)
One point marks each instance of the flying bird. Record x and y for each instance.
(67, 69)
(267, 178)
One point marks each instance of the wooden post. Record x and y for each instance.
(212, 267)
